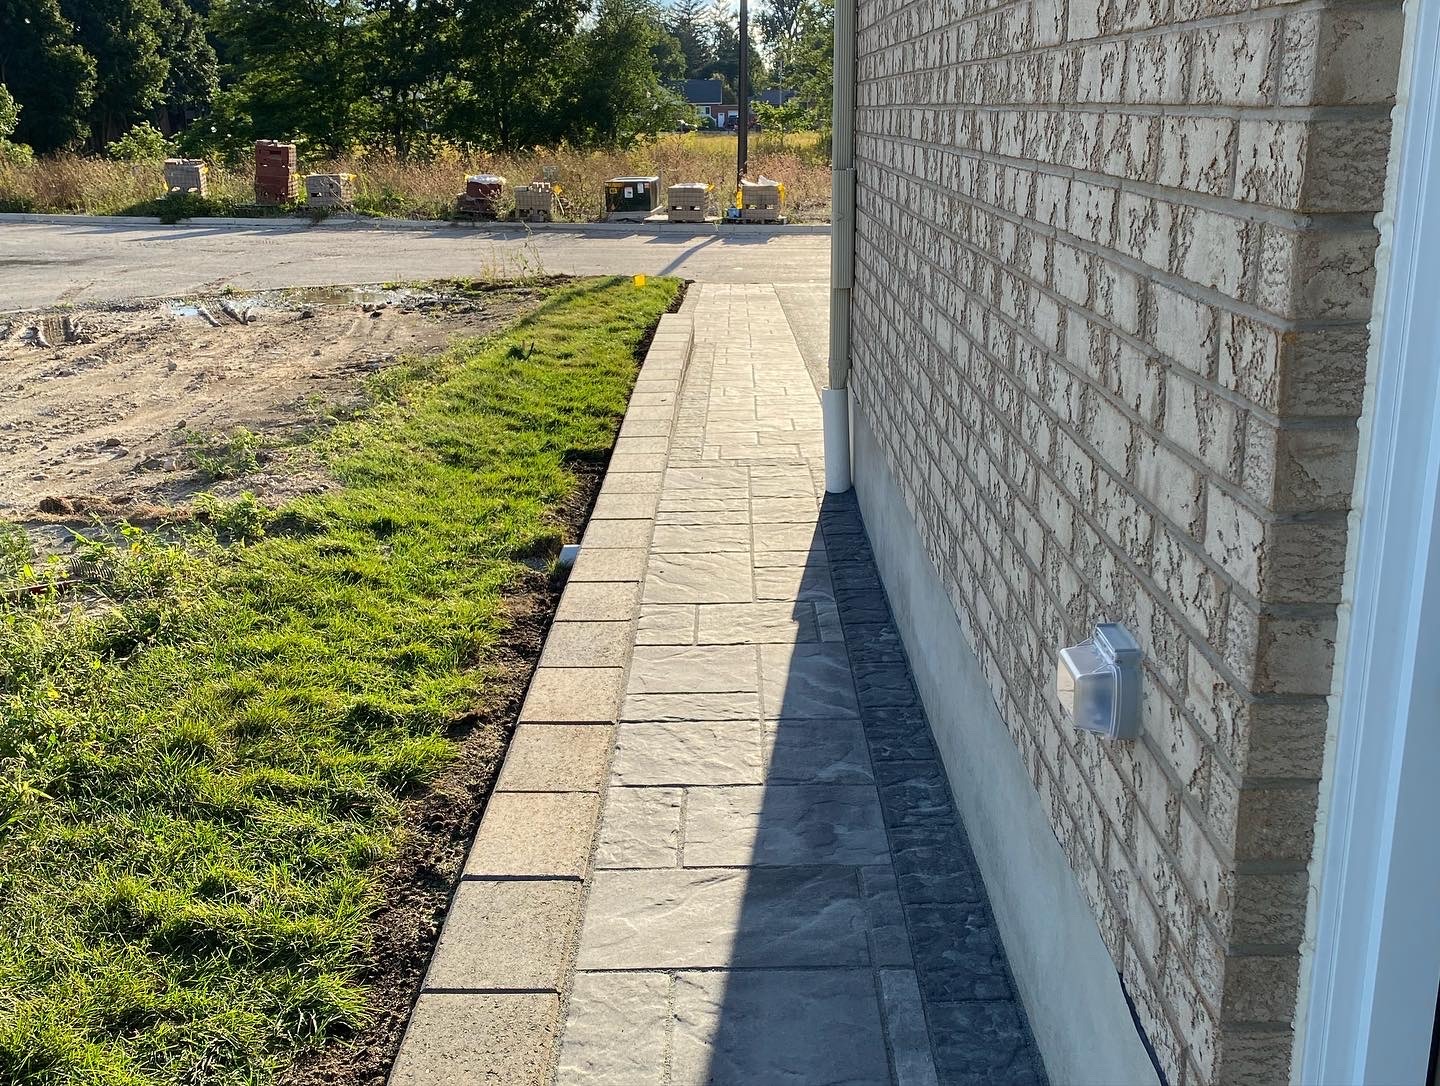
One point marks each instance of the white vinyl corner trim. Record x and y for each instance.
(1375, 963)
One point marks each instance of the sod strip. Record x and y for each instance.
(201, 774)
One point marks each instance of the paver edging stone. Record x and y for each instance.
(567, 703)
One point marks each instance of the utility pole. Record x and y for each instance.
(742, 151)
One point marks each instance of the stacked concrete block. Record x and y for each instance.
(686, 202)
(761, 201)
(276, 180)
(1110, 335)
(535, 202)
(329, 189)
(187, 175)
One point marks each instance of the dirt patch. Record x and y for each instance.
(113, 411)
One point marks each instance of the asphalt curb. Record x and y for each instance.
(492, 1005)
(349, 223)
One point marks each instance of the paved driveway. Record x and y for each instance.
(42, 264)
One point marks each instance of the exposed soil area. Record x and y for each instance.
(105, 411)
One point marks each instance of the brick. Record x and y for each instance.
(1276, 824)
(1184, 329)
(1294, 373)
(1195, 153)
(1341, 56)
(1234, 64)
(1334, 166)
(1326, 275)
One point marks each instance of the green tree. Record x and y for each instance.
(17, 154)
(513, 64)
(617, 95)
(124, 38)
(408, 63)
(143, 143)
(50, 76)
(192, 78)
(294, 69)
(723, 31)
(667, 56)
(686, 22)
(802, 59)
(778, 20)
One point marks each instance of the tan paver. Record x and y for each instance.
(556, 758)
(512, 934)
(456, 1039)
(573, 695)
(587, 644)
(535, 834)
(600, 601)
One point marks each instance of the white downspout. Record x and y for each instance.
(835, 397)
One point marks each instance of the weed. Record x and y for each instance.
(16, 551)
(225, 456)
(243, 520)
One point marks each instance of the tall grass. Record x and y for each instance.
(425, 189)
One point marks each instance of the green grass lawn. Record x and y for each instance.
(201, 776)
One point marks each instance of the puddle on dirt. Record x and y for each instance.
(365, 298)
(348, 295)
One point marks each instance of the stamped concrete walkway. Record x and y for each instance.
(782, 892)
(779, 890)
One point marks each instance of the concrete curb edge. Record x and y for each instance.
(515, 1028)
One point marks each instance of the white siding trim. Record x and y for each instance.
(1376, 945)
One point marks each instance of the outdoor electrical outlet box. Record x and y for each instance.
(1098, 683)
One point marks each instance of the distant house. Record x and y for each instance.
(774, 97)
(708, 97)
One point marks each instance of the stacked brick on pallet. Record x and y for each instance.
(276, 181)
(187, 175)
(482, 195)
(1113, 274)
(760, 201)
(535, 202)
(329, 189)
(686, 202)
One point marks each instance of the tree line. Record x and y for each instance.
(396, 76)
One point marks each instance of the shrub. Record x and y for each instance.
(11, 154)
(143, 143)
(9, 112)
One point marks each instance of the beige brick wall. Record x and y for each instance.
(1114, 268)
